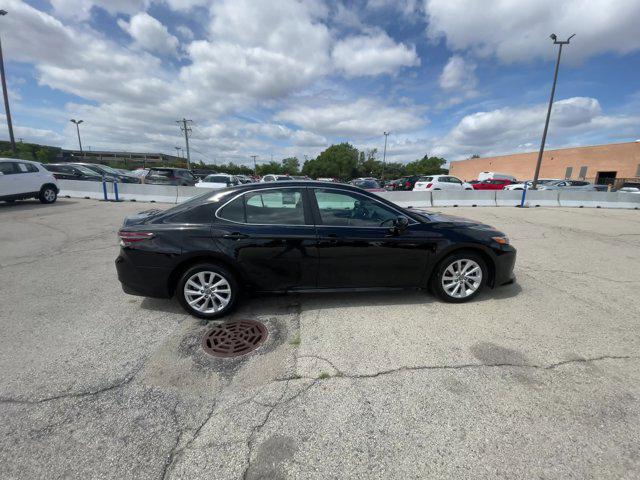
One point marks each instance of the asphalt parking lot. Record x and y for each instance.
(539, 379)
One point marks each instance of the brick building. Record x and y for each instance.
(603, 164)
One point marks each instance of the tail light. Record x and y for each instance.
(130, 238)
(408, 184)
(429, 185)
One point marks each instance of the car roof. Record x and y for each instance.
(18, 160)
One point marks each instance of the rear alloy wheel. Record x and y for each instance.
(459, 278)
(48, 195)
(207, 291)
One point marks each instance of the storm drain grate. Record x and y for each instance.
(233, 339)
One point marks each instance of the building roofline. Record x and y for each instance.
(548, 150)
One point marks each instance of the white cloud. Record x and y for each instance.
(517, 30)
(185, 32)
(458, 74)
(510, 129)
(150, 34)
(373, 54)
(409, 8)
(81, 9)
(360, 118)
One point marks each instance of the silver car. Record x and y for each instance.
(569, 185)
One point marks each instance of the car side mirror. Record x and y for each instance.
(400, 224)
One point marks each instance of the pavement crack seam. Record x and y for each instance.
(106, 388)
(175, 452)
(479, 366)
(257, 428)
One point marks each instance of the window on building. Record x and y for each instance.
(583, 173)
(568, 172)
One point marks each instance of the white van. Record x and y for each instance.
(495, 176)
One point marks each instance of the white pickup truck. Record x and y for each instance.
(22, 179)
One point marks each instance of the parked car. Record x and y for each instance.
(368, 184)
(64, 171)
(22, 179)
(109, 174)
(170, 176)
(392, 184)
(630, 187)
(494, 184)
(275, 178)
(300, 236)
(496, 176)
(245, 178)
(327, 179)
(441, 182)
(407, 183)
(570, 185)
(218, 180)
(528, 183)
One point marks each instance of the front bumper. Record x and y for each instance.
(505, 260)
(142, 281)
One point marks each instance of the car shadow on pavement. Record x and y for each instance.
(269, 304)
(25, 205)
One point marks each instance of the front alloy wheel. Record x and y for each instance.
(459, 278)
(207, 291)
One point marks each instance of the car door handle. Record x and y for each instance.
(235, 236)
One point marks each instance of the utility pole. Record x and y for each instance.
(78, 122)
(384, 154)
(187, 130)
(6, 95)
(255, 165)
(553, 37)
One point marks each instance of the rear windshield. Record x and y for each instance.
(426, 179)
(160, 173)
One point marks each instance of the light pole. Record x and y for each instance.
(6, 95)
(255, 165)
(78, 122)
(384, 154)
(553, 37)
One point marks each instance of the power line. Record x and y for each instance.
(187, 131)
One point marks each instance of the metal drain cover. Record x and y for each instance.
(233, 339)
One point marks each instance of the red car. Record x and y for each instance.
(493, 184)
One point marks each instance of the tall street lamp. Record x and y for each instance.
(553, 37)
(384, 154)
(6, 95)
(78, 122)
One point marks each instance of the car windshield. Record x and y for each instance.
(425, 179)
(366, 184)
(108, 169)
(85, 170)
(160, 173)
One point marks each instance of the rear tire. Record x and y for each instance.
(207, 291)
(460, 277)
(47, 194)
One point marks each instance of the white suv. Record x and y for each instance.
(21, 179)
(440, 182)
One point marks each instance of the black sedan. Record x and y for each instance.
(63, 171)
(303, 235)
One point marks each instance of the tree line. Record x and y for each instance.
(342, 161)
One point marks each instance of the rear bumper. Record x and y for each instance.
(142, 281)
(505, 261)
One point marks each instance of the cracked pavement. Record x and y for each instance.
(536, 379)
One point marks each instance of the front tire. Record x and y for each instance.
(460, 277)
(48, 194)
(207, 291)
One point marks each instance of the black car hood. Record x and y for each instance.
(450, 219)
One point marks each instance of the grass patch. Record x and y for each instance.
(295, 340)
(324, 376)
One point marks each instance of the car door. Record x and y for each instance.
(455, 183)
(356, 245)
(28, 178)
(8, 182)
(270, 233)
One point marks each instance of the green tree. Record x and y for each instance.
(291, 165)
(338, 161)
(426, 166)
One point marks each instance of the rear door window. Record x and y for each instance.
(275, 207)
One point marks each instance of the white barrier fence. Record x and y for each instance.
(441, 198)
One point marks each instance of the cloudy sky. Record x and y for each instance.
(290, 77)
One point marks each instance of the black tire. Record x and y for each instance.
(218, 271)
(48, 194)
(436, 282)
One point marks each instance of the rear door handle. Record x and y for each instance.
(235, 236)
